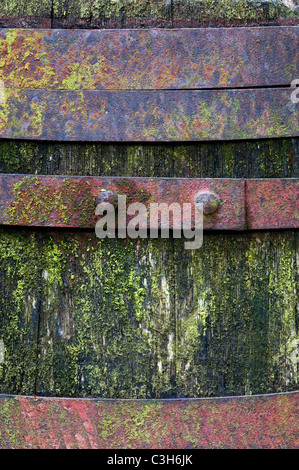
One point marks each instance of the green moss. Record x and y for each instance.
(20, 265)
(36, 203)
(15, 157)
(15, 8)
(276, 314)
(267, 158)
(105, 329)
(236, 10)
(182, 9)
(111, 9)
(140, 13)
(146, 319)
(242, 318)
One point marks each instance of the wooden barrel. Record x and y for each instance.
(181, 334)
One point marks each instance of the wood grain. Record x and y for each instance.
(148, 319)
(268, 158)
(117, 14)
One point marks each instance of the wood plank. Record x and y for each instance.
(112, 14)
(144, 13)
(151, 59)
(227, 13)
(121, 351)
(19, 312)
(159, 116)
(268, 158)
(148, 318)
(167, 13)
(25, 14)
(235, 299)
(49, 423)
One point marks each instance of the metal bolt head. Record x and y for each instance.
(106, 196)
(209, 200)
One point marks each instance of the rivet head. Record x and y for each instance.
(209, 200)
(106, 196)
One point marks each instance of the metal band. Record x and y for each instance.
(58, 201)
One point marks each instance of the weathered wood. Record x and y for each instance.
(248, 283)
(148, 319)
(25, 14)
(145, 14)
(166, 13)
(269, 158)
(266, 422)
(19, 312)
(112, 14)
(160, 116)
(227, 13)
(95, 337)
(151, 59)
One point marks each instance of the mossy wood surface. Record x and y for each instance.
(145, 13)
(149, 319)
(268, 158)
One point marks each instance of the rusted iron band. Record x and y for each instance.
(272, 203)
(57, 201)
(149, 59)
(258, 421)
(127, 85)
(177, 115)
(71, 201)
